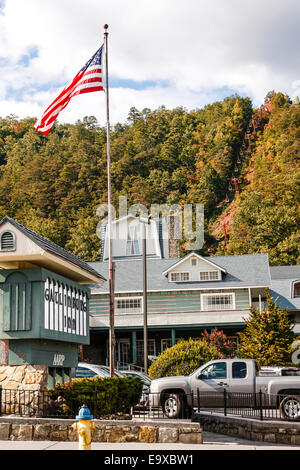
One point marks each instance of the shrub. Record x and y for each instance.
(103, 396)
(183, 358)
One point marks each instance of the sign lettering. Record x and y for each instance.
(65, 300)
(58, 360)
(65, 308)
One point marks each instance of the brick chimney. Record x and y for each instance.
(174, 240)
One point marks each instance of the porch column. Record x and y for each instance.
(133, 346)
(173, 335)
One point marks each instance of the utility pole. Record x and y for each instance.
(111, 265)
(145, 221)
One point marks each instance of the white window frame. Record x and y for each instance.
(208, 273)
(164, 340)
(132, 243)
(140, 348)
(180, 273)
(125, 311)
(218, 294)
(294, 295)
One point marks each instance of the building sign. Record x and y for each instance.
(59, 360)
(65, 308)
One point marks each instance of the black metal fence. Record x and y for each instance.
(259, 405)
(129, 405)
(31, 403)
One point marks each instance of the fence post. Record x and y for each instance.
(95, 401)
(225, 402)
(192, 404)
(260, 406)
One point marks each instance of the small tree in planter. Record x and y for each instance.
(268, 336)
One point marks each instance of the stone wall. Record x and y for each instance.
(38, 429)
(280, 432)
(20, 386)
(26, 377)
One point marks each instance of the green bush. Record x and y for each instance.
(183, 358)
(103, 396)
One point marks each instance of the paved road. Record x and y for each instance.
(211, 441)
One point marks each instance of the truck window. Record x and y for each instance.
(290, 372)
(239, 370)
(215, 371)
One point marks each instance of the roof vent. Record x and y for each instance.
(8, 241)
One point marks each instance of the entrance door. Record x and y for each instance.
(122, 353)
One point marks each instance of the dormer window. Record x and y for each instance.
(209, 275)
(132, 242)
(179, 277)
(7, 241)
(297, 289)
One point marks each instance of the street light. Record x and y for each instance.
(145, 220)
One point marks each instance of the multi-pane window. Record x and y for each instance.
(129, 305)
(166, 343)
(209, 275)
(140, 348)
(217, 301)
(180, 277)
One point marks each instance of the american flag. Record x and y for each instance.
(88, 79)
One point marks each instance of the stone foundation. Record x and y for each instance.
(38, 429)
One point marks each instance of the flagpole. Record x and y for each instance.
(110, 262)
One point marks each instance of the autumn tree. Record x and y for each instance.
(268, 335)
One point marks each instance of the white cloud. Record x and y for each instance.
(195, 46)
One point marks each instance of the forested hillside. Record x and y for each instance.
(53, 184)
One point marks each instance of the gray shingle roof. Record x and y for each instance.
(51, 247)
(242, 271)
(285, 272)
(282, 279)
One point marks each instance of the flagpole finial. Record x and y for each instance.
(106, 27)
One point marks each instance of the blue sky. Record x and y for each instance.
(170, 53)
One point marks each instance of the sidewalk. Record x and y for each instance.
(211, 441)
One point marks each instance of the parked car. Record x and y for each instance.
(117, 373)
(233, 375)
(84, 369)
(140, 375)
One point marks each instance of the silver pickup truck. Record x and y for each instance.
(233, 375)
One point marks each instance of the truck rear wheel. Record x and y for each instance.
(290, 407)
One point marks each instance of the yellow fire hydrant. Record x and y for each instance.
(84, 428)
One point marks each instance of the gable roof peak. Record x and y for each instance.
(185, 258)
